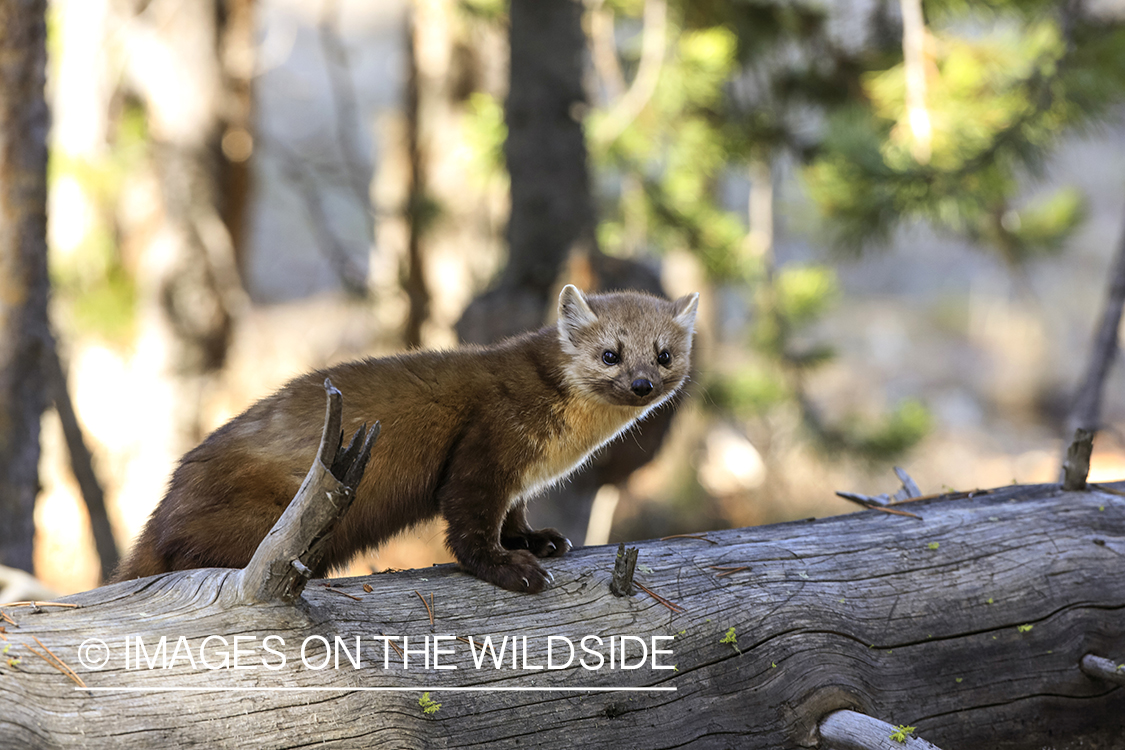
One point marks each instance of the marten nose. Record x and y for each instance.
(641, 386)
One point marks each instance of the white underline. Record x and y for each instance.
(431, 689)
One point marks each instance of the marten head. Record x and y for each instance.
(626, 348)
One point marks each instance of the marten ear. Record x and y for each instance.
(574, 313)
(685, 308)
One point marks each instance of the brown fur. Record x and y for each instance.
(469, 434)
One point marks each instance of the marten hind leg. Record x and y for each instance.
(215, 515)
(516, 533)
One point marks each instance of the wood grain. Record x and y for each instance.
(969, 625)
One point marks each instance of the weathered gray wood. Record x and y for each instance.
(851, 730)
(916, 622)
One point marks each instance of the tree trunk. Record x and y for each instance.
(552, 222)
(414, 278)
(546, 149)
(237, 32)
(968, 623)
(24, 121)
(552, 211)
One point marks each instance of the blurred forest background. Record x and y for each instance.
(901, 218)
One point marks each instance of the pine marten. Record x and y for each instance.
(470, 434)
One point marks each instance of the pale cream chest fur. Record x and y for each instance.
(587, 424)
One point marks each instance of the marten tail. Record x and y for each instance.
(143, 560)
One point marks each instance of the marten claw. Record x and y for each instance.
(517, 571)
(541, 543)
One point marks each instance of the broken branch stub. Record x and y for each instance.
(1103, 669)
(1077, 465)
(624, 566)
(293, 549)
(851, 730)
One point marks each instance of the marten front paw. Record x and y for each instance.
(519, 572)
(541, 543)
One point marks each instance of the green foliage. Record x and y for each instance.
(731, 639)
(751, 392)
(883, 439)
(92, 280)
(998, 99)
(107, 307)
(487, 10)
(429, 707)
(1005, 79)
(982, 89)
(804, 293)
(13, 662)
(675, 150)
(665, 167)
(1041, 228)
(743, 83)
(793, 299)
(485, 133)
(897, 432)
(901, 732)
(798, 297)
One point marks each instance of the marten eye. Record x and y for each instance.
(610, 358)
(664, 358)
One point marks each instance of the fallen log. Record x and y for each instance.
(990, 619)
